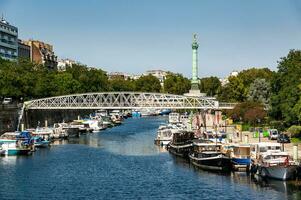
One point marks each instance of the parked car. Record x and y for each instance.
(283, 138)
(7, 101)
(273, 134)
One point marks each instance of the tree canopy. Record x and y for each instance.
(210, 85)
(176, 84)
(259, 91)
(147, 83)
(285, 98)
(238, 87)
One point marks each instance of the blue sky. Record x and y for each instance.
(137, 35)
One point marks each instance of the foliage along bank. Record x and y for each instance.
(265, 96)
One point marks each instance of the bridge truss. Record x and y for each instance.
(126, 100)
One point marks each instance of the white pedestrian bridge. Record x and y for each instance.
(126, 100)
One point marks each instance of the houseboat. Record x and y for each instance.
(208, 155)
(181, 143)
(240, 155)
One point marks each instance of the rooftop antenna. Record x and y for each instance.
(2, 17)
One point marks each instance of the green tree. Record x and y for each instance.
(249, 75)
(237, 88)
(120, 84)
(284, 88)
(210, 85)
(65, 84)
(90, 79)
(259, 91)
(176, 84)
(147, 83)
(234, 91)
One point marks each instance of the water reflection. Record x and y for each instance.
(292, 189)
(287, 189)
(130, 141)
(116, 159)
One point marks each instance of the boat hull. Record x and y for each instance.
(241, 161)
(13, 152)
(161, 142)
(279, 172)
(218, 163)
(180, 150)
(42, 144)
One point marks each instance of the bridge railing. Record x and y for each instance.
(125, 100)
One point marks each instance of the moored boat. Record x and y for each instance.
(240, 155)
(277, 165)
(164, 135)
(208, 156)
(181, 143)
(15, 143)
(173, 118)
(40, 142)
(94, 124)
(44, 132)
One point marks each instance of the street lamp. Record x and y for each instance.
(258, 120)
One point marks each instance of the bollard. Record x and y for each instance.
(78, 117)
(46, 123)
(295, 152)
(246, 139)
(22, 127)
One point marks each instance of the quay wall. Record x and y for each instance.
(9, 117)
(34, 118)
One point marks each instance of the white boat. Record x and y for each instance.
(164, 135)
(94, 124)
(258, 149)
(148, 112)
(173, 118)
(44, 132)
(15, 143)
(277, 165)
(60, 130)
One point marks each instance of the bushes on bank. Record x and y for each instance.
(295, 131)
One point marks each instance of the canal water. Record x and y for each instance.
(123, 163)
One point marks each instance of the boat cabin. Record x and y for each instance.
(259, 148)
(173, 118)
(241, 151)
(205, 145)
(184, 118)
(182, 137)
